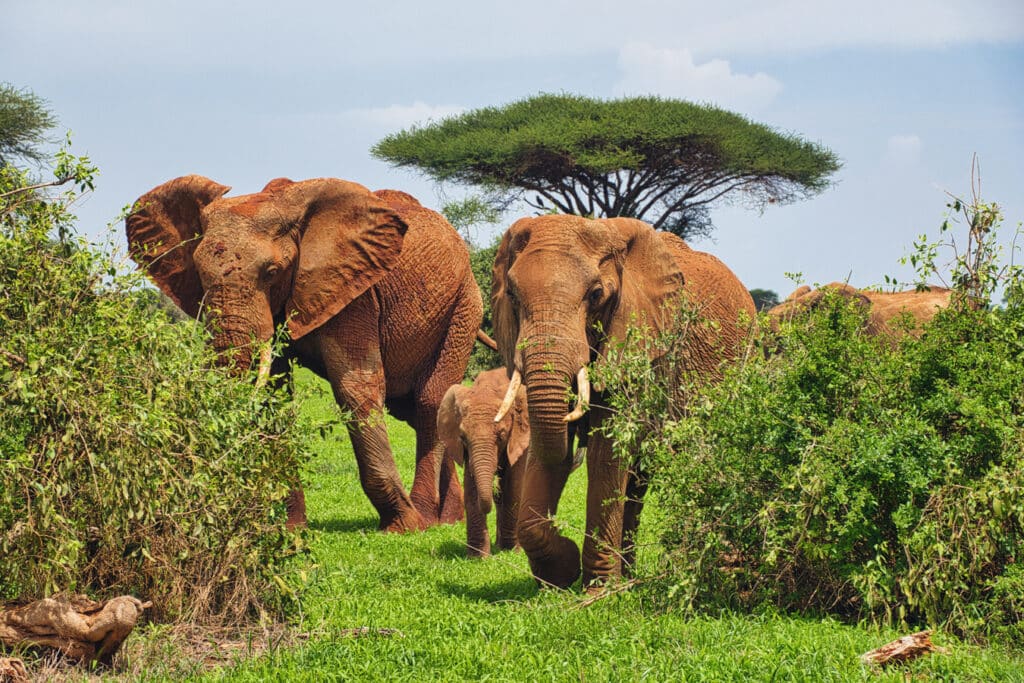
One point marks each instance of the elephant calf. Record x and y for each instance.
(884, 308)
(487, 436)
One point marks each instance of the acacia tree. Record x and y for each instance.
(24, 120)
(664, 161)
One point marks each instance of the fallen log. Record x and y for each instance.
(903, 650)
(82, 629)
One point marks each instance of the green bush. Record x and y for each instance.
(129, 462)
(846, 474)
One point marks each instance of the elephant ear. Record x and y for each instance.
(350, 241)
(503, 316)
(163, 230)
(449, 421)
(519, 436)
(650, 276)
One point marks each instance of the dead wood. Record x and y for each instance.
(13, 671)
(82, 629)
(903, 650)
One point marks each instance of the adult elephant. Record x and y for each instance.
(564, 288)
(376, 293)
(488, 435)
(884, 309)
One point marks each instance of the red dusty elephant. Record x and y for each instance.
(376, 292)
(885, 309)
(566, 287)
(489, 438)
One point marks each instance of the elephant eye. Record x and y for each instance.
(271, 271)
(595, 295)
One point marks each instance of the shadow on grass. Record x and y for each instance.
(493, 592)
(449, 550)
(345, 524)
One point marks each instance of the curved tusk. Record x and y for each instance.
(510, 395)
(264, 370)
(582, 396)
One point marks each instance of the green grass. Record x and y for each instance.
(460, 619)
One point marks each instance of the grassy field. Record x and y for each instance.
(457, 619)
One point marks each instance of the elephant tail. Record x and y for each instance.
(486, 340)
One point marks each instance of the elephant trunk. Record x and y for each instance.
(238, 337)
(549, 369)
(484, 461)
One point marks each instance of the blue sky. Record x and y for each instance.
(905, 92)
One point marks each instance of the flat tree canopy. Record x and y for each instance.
(664, 161)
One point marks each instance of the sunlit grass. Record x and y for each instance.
(458, 619)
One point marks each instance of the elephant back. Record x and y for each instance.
(721, 298)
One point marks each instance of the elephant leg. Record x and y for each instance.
(295, 503)
(636, 489)
(554, 559)
(478, 540)
(507, 503)
(379, 476)
(351, 355)
(606, 489)
(437, 482)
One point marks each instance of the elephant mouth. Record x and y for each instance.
(580, 387)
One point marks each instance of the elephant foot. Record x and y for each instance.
(296, 507)
(478, 551)
(452, 507)
(403, 522)
(426, 510)
(559, 568)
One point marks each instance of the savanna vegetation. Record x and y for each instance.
(130, 462)
(838, 472)
(832, 492)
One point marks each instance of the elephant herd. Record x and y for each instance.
(376, 295)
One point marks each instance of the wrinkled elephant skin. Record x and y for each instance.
(376, 294)
(564, 288)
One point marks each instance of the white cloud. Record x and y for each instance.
(397, 116)
(903, 149)
(647, 70)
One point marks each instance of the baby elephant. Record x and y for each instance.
(467, 425)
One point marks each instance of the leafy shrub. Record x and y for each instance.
(848, 473)
(129, 462)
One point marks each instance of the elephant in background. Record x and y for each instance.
(884, 309)
(565, 287)
(376, 293)
(488, 437)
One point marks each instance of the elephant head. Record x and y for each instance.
(486, 446)
(562, 286)
(295, 252)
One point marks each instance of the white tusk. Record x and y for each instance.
(510, 395)
(582, 396)
(264, 370)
